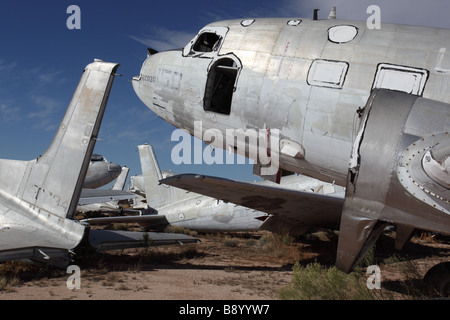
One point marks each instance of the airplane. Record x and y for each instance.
(107, 201)
(330, 99)
(101, 172)
(173, 206)
(38, 198)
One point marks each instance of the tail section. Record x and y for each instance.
(53, 182)
(157, 195)
(37, 196)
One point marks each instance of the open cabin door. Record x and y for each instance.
(220, 86)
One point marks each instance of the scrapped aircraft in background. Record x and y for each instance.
(367, 109)
(101, 172)
(173, 206)
(114, 200)
(177, 207)
(38, 198)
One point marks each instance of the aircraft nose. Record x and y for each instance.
(160, 85)
(152, 80)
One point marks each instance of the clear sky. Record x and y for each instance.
(41, 62)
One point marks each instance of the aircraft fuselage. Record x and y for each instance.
(307, 80)
(365, 109)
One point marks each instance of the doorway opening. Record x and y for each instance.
(220, 86)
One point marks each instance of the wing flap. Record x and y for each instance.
(293, 211)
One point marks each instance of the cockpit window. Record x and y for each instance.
(97, 157)
(207, 42)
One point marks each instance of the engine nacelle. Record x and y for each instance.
(387, 182)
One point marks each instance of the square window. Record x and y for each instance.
(327, 73)
(400, 78)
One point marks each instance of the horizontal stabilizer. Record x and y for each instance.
(144, 220)
(292, 211)
(89, 196)
(53, 256)
(104, 240)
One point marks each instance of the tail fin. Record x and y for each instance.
(121, 179)
(53, 182)
(157, 195)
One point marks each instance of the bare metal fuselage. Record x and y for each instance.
(335, 90)
(272, 89)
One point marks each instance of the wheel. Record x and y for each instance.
(438, 279)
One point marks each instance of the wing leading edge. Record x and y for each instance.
(291, 211)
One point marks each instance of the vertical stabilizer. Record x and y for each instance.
(37, 196)
(157, 195)
(55, 180)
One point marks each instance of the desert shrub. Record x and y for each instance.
(231, 242)
(317, 282)
(277, 245)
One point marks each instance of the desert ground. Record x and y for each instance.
(249, 266)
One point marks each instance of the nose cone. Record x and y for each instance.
(145, 84)
(172, 86)
(114, 169)
(101, 173)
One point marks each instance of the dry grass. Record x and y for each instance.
(15, 273)
(255, 265)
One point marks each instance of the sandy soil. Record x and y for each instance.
(218, 268)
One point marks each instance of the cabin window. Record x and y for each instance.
(246, 23)
(400, 78)
(294, 22)
(97, 157)
(220, 86)
(342, 34)
(327, 73)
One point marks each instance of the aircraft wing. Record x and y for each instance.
(89, 196)
(144, 220)
(105, 240)
(292, 211)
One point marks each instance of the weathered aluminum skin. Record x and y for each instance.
(312, 80)
(38, 198)
(272, 90)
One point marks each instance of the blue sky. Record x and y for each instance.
(41, 62)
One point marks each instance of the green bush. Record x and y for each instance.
(316, 282)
